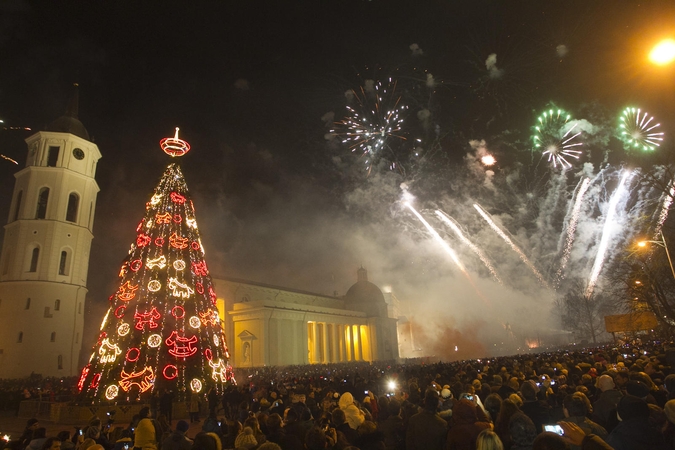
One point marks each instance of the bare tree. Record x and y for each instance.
(581, 314)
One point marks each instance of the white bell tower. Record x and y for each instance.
(45, 253)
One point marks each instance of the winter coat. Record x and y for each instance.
(636, 434)
(353, 415)
(36, 444)
(393, 430)
(605, 407)
(176, 441)
(426, 431)
(145, 436)
(466, 427)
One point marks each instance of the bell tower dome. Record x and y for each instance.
(45, 253)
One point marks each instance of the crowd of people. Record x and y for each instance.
(613, 397)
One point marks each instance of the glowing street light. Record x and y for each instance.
(661, 243)
(663, 53)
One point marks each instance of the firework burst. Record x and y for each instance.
(373, 126)
(638, 130)
(556, 137)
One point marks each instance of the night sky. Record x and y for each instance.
(252, 85)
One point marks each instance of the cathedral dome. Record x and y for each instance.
(363, 291)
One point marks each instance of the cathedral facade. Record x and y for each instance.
(272, 325)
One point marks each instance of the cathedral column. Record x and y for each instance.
(325, 341)
(358, 344)
(317, 349)
(334, 336)
(341, 343)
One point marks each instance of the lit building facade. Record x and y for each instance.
(271, 325)
(45, 253)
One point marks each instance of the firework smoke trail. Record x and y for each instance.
(447, 248)
(606, 234)
(571, 228)
(449, 221)
(667, 202)
(438, 237)
(508, 240)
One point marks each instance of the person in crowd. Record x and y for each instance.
(52, 443)
(488, 440)
(66, 443)
(634, 430)
(604, 408)
(353, 415)
(145, 437)
(253, 424)
(492, 404)
(27, 435)
(507, 410)
(193, 407)
(246, 439)
(38, 439)
(206, 441)
(549, 441)
(343, 428)
(166, 406)
(177, 440)
(522, 431)
(575, 409)
(393, 427)
(465, 426)
(370, 438)
(426, 429)
(537, 410)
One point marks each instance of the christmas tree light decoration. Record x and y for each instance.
(219, 370)
(163, 218)
(111, 392)
(159, 262)
(123, 329)
(148, 318)
(174, 146)
(108, 352)
(196, 386)
(154, 340)
(176, 340)
(179, 289)
(178, 242)
(170, 372)
(143, 379)
(119, 311)
(133, 354)
(195, 322)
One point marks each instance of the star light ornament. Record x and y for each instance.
(557, 138)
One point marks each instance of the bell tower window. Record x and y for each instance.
(43, 199)
(17, 208)
(71, 210)
(35, 256)
(52, 156)
(63, 263)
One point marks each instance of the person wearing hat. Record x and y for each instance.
(178, 440)
(246, 439)
(445, 410)
(634, 430)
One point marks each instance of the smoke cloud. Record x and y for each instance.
(491, 66)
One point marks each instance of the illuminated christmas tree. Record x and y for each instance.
(162, 330)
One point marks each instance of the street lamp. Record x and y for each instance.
(661, 243)
(663, 53)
